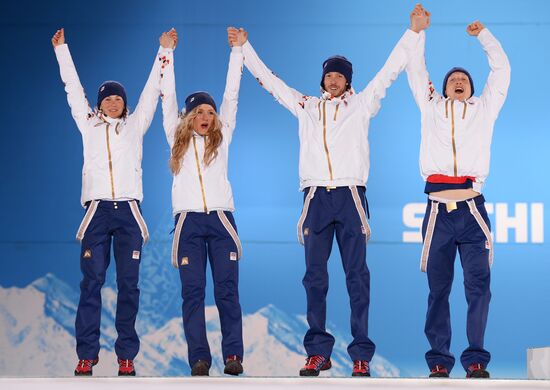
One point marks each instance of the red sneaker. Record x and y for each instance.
(84, 367)
(438, 371)
(477, 370)
(126, 367)
(314, 364)
(360, 368)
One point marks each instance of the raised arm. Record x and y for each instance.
(288, 97)
(375, 91)
(80, 109)
(417, 74)
(228, 109)
(147, 104)
(495, 90)
(170, 112)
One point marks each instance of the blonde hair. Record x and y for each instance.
(183, 135)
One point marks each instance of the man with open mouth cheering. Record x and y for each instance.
(457, 129)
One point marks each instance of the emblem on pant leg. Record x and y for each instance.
(306, 232)
(233, 256)
(487, 244)
(87, 254)
(135, 255)
(363, 230)
(184, 260)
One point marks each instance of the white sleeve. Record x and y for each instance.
(147, 104)
(375, 91)
(228, 109)
(170, 112)
(495, 90)
(288, 97)
(80, 108)
(418, 77)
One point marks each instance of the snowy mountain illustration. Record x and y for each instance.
(37, 330)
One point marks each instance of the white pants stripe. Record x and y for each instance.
(225, 222)
(429, 235)
(483, 226)
(176, 241)
(361, 211)
(303, 216)
(140, 221)
(86, 220)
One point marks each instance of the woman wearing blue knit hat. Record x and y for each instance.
(334, 169)
(111, 193)
(457, 129)
(202, 203)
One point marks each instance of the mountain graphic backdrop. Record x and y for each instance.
(38, 331)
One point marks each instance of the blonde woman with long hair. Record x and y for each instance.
(202, 203)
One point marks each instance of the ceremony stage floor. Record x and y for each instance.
(149, 383)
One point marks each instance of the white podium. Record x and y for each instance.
(538, 363)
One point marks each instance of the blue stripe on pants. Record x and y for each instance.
(119, 225)
(203, 235)
(334, 212)
(454, 230)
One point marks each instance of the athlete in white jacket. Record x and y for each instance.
(334, 168)
(457, 129)
(111, 191)
(203, 204)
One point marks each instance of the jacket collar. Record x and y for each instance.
(105, 119)
(327, 96)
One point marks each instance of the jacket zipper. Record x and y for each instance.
(325, 138)
(110, 161)
(200, 175)
(453, 136)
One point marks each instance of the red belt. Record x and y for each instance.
(449, 179)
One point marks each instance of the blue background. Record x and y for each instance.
(41, 150)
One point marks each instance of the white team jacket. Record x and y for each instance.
(456, 136)
(334, 146)
(197, 187)
(112, 147)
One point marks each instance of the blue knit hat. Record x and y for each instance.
(198, 98)
(461, 70)
(109, 88)
(338, 64)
